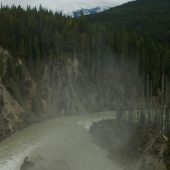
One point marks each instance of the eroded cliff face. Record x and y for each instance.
(22, 102)
(10, 113)
(74, 88)
(64, 85)
(11, 110)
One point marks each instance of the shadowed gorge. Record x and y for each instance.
(53, 66)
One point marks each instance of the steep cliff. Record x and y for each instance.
(10, 113)
(21, 102)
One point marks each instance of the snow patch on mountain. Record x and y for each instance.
(85, 11)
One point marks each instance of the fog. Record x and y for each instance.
(63, 143)
(77, 90)
(65, 5)
(79, 96)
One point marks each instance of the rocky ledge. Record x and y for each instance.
(133, 147)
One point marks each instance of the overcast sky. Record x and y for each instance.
(64, 5)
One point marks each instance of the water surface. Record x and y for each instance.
(59, 144)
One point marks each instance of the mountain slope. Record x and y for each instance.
(94, 10)
(152, 16)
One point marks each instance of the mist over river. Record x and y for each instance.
(60, 144)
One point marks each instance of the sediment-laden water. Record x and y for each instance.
(59, 144)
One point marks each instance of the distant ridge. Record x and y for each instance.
(89, 11)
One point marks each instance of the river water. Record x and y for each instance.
(59, 144)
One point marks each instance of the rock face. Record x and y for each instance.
(21, 99)
(4, 61)
(24, 97)
(10, 109)
(153, 151)
(10, 113)
(135, 148)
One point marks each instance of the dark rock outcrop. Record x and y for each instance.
(27, 164)
(134, 147)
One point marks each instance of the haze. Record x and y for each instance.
(64, 5)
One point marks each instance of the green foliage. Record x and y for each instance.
(141, 16)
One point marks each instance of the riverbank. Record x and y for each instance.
(131, 146)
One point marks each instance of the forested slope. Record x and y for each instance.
(141, 16)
